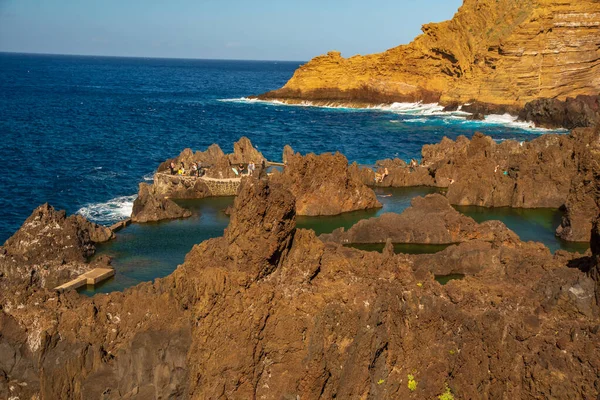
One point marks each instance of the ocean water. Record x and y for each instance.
(82, 132)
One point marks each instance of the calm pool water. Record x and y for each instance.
(143, 252)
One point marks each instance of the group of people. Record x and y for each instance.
(196, 169)
(241, 168)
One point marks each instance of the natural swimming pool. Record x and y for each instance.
(144, 252)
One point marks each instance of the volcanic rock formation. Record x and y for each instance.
(269, 311)
(217, 164)
(429, 220)
(501, 52)
(151, 207)
(49, 249)
(549, 171)
(323, 185)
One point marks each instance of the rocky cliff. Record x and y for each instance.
(269, 311)
(492, 51)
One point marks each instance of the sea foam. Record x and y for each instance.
(109, 212)
(425, 112)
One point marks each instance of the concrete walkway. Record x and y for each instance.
(92, 277)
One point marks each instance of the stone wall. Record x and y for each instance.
(190, 187)
(226, 187)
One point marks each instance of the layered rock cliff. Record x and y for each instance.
(492, 51)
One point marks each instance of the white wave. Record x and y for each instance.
(149, 177)
(512, 121)
(113, 210)
(416, 109)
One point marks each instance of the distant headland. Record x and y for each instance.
(523, 58)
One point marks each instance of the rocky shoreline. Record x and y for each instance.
(271, 311)
(551, 171)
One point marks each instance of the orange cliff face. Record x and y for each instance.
(505, 52)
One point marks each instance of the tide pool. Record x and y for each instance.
(143, 252)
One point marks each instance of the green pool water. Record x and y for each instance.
(537, 225)
(144, 252)
(406, 248)
(443, 279)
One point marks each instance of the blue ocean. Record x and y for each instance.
(82, 132)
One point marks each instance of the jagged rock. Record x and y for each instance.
(499, 52)
(217, 163)
(178, 187)
(578, 112)
(150, 206)
(581, 205)
(311, 320)
(50, 248)
(244, 152)
(479, 109)
(429, 220)
(271, 311)
(323, 185)
(550, 171)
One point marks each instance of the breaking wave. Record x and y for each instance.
(109, 212)
(425, 113)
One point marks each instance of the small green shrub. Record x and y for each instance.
(379, 382)
(412, 384)
(447, 395)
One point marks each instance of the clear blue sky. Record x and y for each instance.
(223, 29)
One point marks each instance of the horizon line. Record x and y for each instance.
(143, 57)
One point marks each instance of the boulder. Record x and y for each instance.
(429, 220)
(579, 112)
(50, 248)
(151, 207)
(323, 185)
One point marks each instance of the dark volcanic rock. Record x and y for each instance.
(150, 207)
(480, 109)
(476, 117)
(429, 220)
(579, 112)
(50, 248)
(323, 185)
(270, 311)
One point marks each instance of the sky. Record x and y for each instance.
(215, 29)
